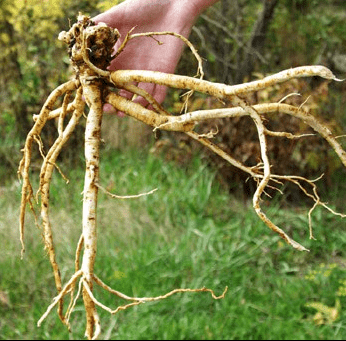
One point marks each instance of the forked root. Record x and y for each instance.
(90, 48)
(186, 122)
(84, 285)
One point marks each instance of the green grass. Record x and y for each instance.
(188, 234)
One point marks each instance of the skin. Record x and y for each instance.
(145, 53)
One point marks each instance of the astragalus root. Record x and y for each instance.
(90, 49)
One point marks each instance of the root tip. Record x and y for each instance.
(298, 246)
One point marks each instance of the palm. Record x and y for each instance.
(145, 53)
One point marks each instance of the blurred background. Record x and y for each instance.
(238, 40)
(208, 234)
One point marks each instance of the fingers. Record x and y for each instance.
(109, 109)
(157, 91)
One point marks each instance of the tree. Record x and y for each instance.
(12, 83)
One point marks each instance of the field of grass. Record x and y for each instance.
(188, 234)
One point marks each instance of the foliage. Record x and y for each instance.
(198, 236)
(105, 5)
(30, 58)
(300, 32)
(318, 27)
(36, 11)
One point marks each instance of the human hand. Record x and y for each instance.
(144, 53)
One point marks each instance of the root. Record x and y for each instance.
(186, 122)
(115, 196)
(90, 48)
(85, 285)
(218, 90)
(23, 170)
(200, 72)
